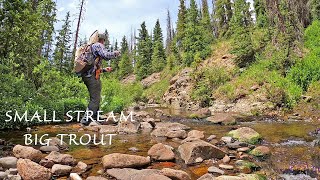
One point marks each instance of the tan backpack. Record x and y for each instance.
(84, 59)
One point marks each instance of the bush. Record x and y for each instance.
(206, 81)
(307, 71)
(116, 96)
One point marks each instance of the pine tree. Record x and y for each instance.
(125, 64)
(62, 53)
(261, 13)
(169, 32)
(195, 42)
(240, 27)
(205, 21)
(315, 9)
(107, 41)
(158, 60)
(223, 15)
(144, 52)
(181, 23)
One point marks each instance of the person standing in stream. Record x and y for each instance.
(91, 78)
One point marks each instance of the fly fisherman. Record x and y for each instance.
(91, 78)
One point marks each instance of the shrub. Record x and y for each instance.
(206, 81)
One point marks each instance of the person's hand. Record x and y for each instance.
(117, 53)
(107, 69)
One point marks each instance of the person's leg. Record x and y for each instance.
(94, 88)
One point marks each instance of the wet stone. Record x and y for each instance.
(214, 169)
(228, 167)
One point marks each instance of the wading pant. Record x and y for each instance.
(94, 88)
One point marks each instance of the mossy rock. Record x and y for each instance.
(260, 151)
(245, 134)
(246, 166)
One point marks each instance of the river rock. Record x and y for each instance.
(207, 176)
(228, 167)
(160, 132)
(245, 134)
(226, 159)
(133, 174)
(96, 178)
(60, 170)
(226, 139)
(151, 120)
(246, 166)
(211, 137)
(196, 134)
(57, 158)
(3, 175)
(127, 127)
(176, 134)
(80, 168)
(229, 178)
(75, 176)
(175, 174)
(108, 129)
(161, 152)
(8, 162)
(260, 151)
(190, 151)
(243, 149)
(117, 160)
(30, 170)
(222, 118)
(146, 126)
(27, 153)
(48, 149)
(216, 170)
(14, 177)
(172, 126)
(12, 171)
(59, 143)
(315, 143)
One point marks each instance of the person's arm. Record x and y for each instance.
(104, 54)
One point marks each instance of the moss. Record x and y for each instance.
(251, 138)
(241, 164)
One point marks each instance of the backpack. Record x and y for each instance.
(84, 58)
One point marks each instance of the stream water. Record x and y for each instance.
(290, 143)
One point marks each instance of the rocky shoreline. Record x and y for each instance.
(236, 156)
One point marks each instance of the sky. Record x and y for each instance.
(118, 16)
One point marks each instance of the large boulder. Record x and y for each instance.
(133, 174)
(57, 158)
(61, 170)
(160, 132)
(161, 152)
(30, 170)
(245, 134)
(117, 160)
(191, 152)
(175, 174)
(27, 153)
(8, 162)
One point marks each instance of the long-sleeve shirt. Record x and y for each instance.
(98, 50)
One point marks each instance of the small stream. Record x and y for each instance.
(290, 143)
